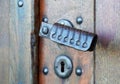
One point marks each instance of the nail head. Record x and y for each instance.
(78, 71)
(45, 70)
(79, 20)
(45, 19)
(20, 3)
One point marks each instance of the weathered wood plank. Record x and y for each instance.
(4, 41)
(20, 55)
(19, 43)
(107, 52)
(67, 9)
(15, 53)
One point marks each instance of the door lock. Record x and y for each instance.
(63, 66)
(63, 32)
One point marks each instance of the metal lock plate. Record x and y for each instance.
(66, 35)
(63, 66)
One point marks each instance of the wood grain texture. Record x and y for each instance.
(67, 9)
(107, 51)
(15, 52)
(19, 44)
(4, 41)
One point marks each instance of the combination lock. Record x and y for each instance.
(69, 36)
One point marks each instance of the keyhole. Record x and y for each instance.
(62, 66)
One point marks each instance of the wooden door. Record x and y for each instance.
(55, 10)
(23, 54)
(99, 16)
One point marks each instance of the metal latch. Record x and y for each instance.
(69, 36)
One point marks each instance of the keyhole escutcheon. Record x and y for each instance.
(63, 66)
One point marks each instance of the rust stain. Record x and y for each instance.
(41, 55)
(42, 9)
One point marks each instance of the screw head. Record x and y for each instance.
(79, 20)
(45, 30)
(45, 19)
(20, 3)
(78, 71)
(45, 70)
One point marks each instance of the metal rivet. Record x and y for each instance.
(78, 71)
(79, 20)
(45, 70)
(45, 19)
(20, 3)
(45, 30)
